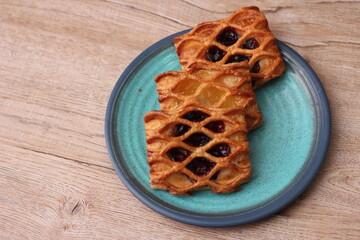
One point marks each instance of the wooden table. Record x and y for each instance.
(59, 61)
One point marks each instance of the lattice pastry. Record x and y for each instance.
(196, 148)
(243, 36)
(220, 87)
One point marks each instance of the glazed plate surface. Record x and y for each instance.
(286, 151)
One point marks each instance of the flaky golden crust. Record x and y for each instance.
(226, 172)
(248, 23)
(216, 87)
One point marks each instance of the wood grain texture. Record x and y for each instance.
(59, 61)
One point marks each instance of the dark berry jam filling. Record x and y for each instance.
(228, 36)
(180, 129)
(255, 68)
(197, 139)
(216, 126)
(251, 43)
(220, 150)
(195, 116)
(215, 54)
(215, 176)
(238, 58)
(178, 154)
(200, 166)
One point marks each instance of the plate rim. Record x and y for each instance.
(318, 156)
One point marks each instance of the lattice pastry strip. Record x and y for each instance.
(243, 36)
(197, 148)
(220, 87)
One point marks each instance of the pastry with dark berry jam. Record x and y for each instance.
(207, 149)
(242, 36)
(210, 87)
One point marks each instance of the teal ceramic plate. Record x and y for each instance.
(286, 151)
